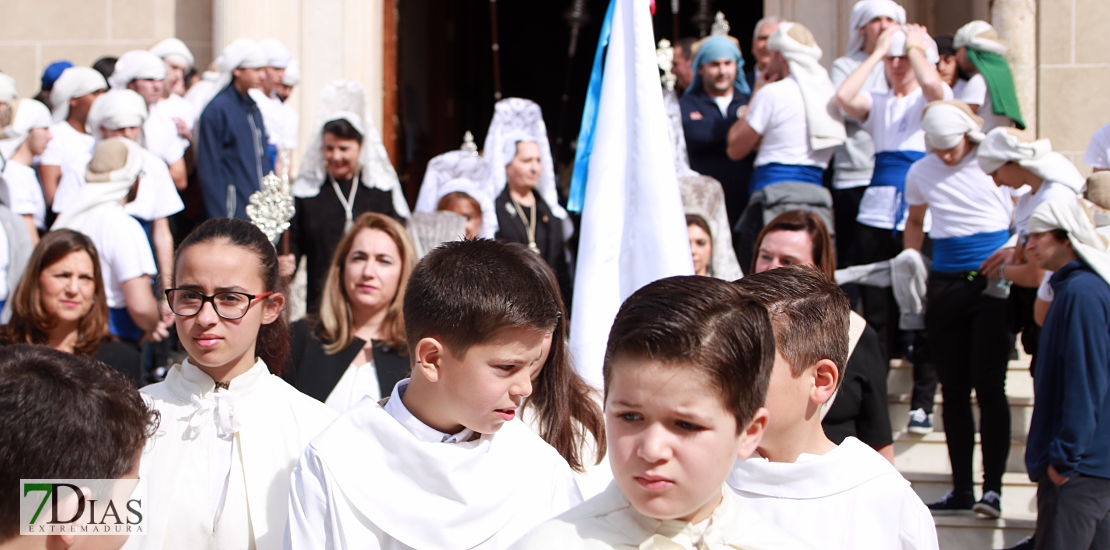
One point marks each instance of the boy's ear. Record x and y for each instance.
(273, 304)
(752, 435)
(428, 353)
(826, 378)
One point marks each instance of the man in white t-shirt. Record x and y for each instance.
(145, 74)
(62, 165)
(274, 115)
(26, 137)
(990, 90)
(1098, 151)
(789, 119)
(178, 60)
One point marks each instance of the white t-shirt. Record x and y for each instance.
(157, 197)
(292, 130)
(1098, 152)
(1028, 202)
(71, 150)
(723, 103)
(273, 116)
(160, 137)
(358, 381)
(21, 192)
(124, 250)
(962, 199)
(895, 125)
(778, 114)
(975, 92)
(176, 106)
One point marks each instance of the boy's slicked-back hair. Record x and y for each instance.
(464, 292)
(809, 314)
(705, 325)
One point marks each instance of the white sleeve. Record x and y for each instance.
(129, 253)
(1045, 292)
(915, 188)
(840, 70)
(948, 94)
(761, 110)
(157, 197)
(1098, 151)
(312, 523)
(868, 124)
(54, 154)
(917, 531)
(975, 92)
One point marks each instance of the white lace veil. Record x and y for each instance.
(346, 100)
(703, 196)
(459, 171)
(512, 117)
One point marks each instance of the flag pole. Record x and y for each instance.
(496, 47)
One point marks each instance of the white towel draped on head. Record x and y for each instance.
(824, 123)
(947, 122)
(898, 47)
(7, 89)
(172, 49)
(243, 53)
(1072, 216)
(74, 82)
(116, 109)
(292, 73)
(866, 10)
(979, 35)
(28, 115)
(277, 55)
(116, 164)
(137, 65)
(1002, 145)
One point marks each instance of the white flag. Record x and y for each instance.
(633, 225)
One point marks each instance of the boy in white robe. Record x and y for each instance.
(445, 463)
(830, 496)
(686, 372)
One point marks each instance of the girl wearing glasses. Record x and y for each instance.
(232, 430)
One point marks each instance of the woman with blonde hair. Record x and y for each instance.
(355, 346)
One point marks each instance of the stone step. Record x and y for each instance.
(965, 532)
(1021, 414)
(929, 454)
(1019, 495)
(1018, 381)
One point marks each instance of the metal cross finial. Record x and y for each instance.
(271, 208)
(720, 25)
(664, 55)
(468, 144)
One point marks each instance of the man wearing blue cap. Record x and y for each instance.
(52, 72)
(709, 108)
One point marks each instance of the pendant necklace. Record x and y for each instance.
(530, 227)
(347, 202)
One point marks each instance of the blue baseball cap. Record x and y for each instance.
(52, 72)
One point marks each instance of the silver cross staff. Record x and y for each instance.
(271, 208)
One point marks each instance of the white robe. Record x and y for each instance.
(850, 498)
(609, 521)
(272, 423)
(368, 482)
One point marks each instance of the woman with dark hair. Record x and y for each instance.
(701, 244)
(563, 409)
(344, 174)
(60, 302)
(231, 429)
(355, 347)
(859, 408)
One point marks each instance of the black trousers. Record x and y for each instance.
(1075, 515)
(845, 210)
(971, 346)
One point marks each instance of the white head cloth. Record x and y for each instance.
(172, 49)
(74, 82)
(514, 118)
(28, 114)
(824, 122)
(277, 55)
(1002, 146)
(979, 35)
(947, 122)
(1072, 216)
(866, 10)
(116, 109)
(346, 100)
(459, 171)
(8, 92)
(292, 73)
(103, 189)
(243, 53)
(898, 47)
(137, 65)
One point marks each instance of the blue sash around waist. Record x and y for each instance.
(890, 171)
(770, 174)
(121, 325)
(956, 254)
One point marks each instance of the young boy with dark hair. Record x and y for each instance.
(850, 496)
(686, 370)
(442, 463)
(65, 417)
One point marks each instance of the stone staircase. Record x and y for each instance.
(923, 460)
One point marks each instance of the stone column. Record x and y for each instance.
(1016, 22)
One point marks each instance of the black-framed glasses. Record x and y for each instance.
(186, 302)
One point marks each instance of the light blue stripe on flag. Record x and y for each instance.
(589, 117)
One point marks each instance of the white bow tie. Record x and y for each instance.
(223, 407)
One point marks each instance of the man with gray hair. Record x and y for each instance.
(764, 28)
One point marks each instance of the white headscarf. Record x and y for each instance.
(824, 123)
(1072, 216)
(459, 171)
(172, 49)
(898, 47)
(292, 73)
(866, 10)
(979, 35)
(27, 115)
(116, 109)
(74, 82)
(346, 100)
(137, 65)
(116, 164)
(8, 92)
(277, 54)
(947, 122)
(243, 53)
(1002, 146)
(514, 120)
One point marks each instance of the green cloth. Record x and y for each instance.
(1000, 84)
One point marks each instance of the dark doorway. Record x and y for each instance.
(445, 68)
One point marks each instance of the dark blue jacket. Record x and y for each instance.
(231, 154)
(707, 140)
(1071, 418)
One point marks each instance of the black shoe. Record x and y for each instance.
(990, 506)
(951, 503)
(1026, 543)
